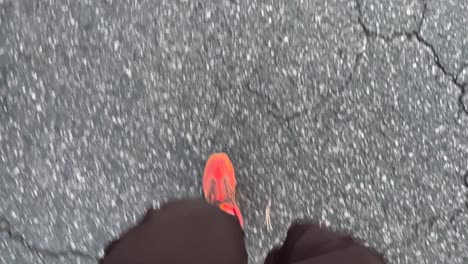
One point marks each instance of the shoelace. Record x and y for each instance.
(230, 197)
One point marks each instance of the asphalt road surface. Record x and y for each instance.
(351, 113)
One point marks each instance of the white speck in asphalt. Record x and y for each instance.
(440, 129)
(128, 72)
(116, 45)
(348, 187)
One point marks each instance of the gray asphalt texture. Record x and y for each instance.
(350, 113)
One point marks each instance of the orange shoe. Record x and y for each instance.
(219, 185)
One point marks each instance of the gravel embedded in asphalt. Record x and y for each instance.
(348, 113)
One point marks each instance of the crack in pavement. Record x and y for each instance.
(416, 34)
(287, 118)
(320, 109)
(5, 227)
(273, 108)
(465, 182)
(274, 111)
(463, 109)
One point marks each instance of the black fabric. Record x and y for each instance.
(193, 231)
(187, 231)
(308, 243)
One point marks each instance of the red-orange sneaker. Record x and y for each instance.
(219, 185)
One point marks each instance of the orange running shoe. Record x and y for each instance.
(219, 185)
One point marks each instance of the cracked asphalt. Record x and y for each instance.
(351, 113)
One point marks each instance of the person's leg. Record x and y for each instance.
(187, 231)
(311, 244)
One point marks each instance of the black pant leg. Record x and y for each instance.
(311, 244)
(187, 231)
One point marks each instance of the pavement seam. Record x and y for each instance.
(416, 34)
(5, 227)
